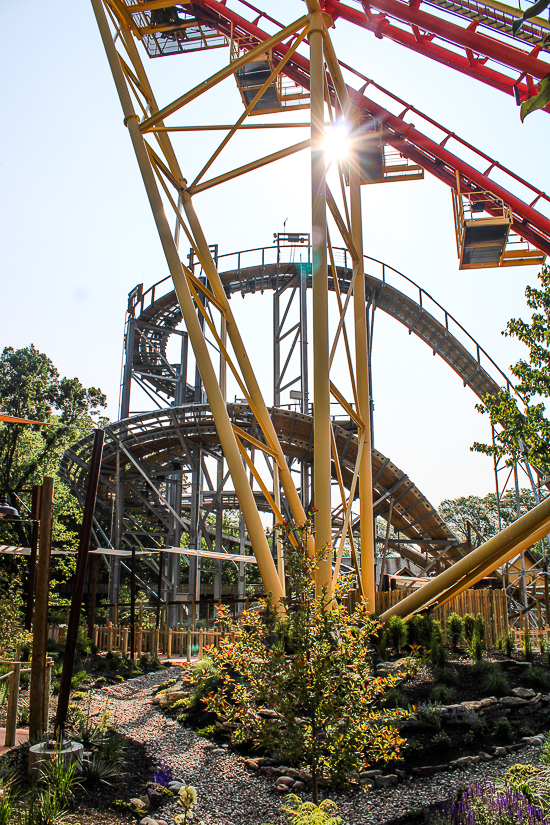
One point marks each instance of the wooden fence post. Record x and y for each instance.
(13, 701)
(47, 689)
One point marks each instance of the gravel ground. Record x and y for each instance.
(230, 794)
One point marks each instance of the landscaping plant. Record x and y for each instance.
(308, 813)
(300, 681)
(469, 627)
(396, 630)
(455, 629)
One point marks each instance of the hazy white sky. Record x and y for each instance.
(77, 233)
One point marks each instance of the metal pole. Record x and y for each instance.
(321, 382)
(159, 588)
(40, 621)
(78, 584)
(362, 370)
(215, 398)
(35, 516)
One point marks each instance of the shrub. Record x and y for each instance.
(441, 741)
(396, 699)
(477, 647)
(438, 654)
(545, 751)
(527, 645)
(445, 676)
(455, 629)
(310, 667)
(209, 732)
(536, 677)
(509, 644)
(479, 627)
(397, 632)
(308, 813)
(382, 645)
(502, 730)
(443, 694)
(469, 627)
(542, 646)
(488, 803)
(495, 683)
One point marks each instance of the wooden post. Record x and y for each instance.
(109, 637)
(188, 645)
(133, 607)
(47, 688)
(141, 614)
(13, 701)
(115, 614)
(35, 516)
(40, 622)
(201, 640)
(159, 587)
(169, 645)
(92, 594)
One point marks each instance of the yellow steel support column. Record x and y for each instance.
(321, 381)
(362, 371)
(215, 398)
(293, 499)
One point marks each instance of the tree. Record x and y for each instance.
(482, 514)
(31, 387)
(525, 429)
(300, 682)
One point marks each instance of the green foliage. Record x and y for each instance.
(476, 646)
(545, 751)
(532, 781)
(396, 630)
(442, 694)
(308, 813)
(98, 771)
(438, 654)
(495, 683)
(502, 730)
(12, 636)
(455, 629)
(469, 627)
(536, 677)
(509, 644)
(526, 430)
(300, 682)
(479, 627)
(538, 101)
(382, 645)
(527, 645)
(165, 685)
(445, 676)
(441, 741)
(475, 732)
(209, 732)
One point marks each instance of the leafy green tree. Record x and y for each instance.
(301, 682)
(483, 514)
(31, 387)
(525, 429)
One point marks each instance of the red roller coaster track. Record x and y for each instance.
(529, 223)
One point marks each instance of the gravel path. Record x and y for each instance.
(230, 794)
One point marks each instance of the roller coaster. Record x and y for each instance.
(180, 467)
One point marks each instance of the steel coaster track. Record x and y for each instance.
(434, 157)
(485, 56)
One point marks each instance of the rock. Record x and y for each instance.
(209, 747)
(252, 764)
(532, 740)
(267, 769)
(523, 693)
(474, 760)
(429, 770)
(305, 776)
(175, 785)
(471, 707)
(267, 713)
(536, 699)
(155, 797)
(161, 822)
(512, 701)
(461, 763)
(218, 750)
(138, 803)
(371, 774)
(266, 762)
(298, 787)
(386, 781)
(285, 780)
(500, 752)
(292, 772)
(148, 821)
(484, 757)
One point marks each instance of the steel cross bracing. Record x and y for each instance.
(492, 55)
(434, 157)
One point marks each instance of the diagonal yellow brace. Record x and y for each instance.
(250, 438)
(344, 505)
(350, 411)
(249, 57)
(348, 508)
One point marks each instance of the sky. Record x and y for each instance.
(77, 234)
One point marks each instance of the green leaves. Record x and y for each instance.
(532, 11)
(538, 101)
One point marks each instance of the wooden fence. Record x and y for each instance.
(490, 603)
(175, 643)
(535, 636)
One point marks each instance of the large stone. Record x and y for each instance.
(513, 702)
(155, 797)
(461, 763)
(138, 803)
(386, 781)
(429, 770)
(500, 751)
(523, 693)
(533, 741)
(175, 786)
(471, 707)
(252, 764)
(298, 786)
(285, 780)
(484, 757)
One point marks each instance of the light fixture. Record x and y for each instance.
(6, 509)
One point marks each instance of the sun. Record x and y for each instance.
(337, 140)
